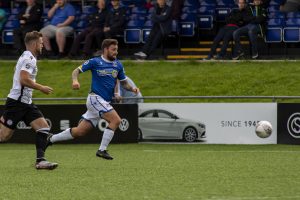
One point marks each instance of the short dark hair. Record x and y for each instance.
(32, 36)
(107, 42)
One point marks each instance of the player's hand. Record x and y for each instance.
(118, 98)
(56, 5)
(135, 90)
(75, 85)
(60, 25)
(46, 90)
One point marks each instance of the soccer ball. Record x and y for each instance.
(263, 129)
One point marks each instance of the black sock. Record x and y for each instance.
(40, 144)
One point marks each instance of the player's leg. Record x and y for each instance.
(5, 132)
(114, 121)
(42, 130)
(82, 129)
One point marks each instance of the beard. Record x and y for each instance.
(111, 58)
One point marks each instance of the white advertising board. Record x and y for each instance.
(225, 123)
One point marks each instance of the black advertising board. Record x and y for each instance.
(288, 122)
(61, 117)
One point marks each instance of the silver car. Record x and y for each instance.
(162, 124)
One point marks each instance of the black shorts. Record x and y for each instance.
(16, 111)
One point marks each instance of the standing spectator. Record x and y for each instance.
(62, 15)
(114, 24)
(30, 20)
(162, 26)
(176, 7)
(233, 20)
(255, 25)
(290, 6)
(2, 16)
(148, 4)
(121, 92)
(96, 24)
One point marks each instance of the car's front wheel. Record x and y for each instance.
(140, 135)
(190, 134)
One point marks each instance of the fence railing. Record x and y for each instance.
(273, 98)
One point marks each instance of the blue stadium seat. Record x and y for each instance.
(221, 14)
(273, 35)
(291, 31)
(273, 8)
(137, 17)
(276, 2)
(291, 35)
(189, 10)
(13, 17)
(82, 24)
(139, 10)
(276, 22)
(88, 10)
(12, 24)
(7, 32)
(206, 16)
(146, 30)
(15, 11)
(277, 14)
(225, 3)
(207, 3)
(187, 25)
(191, 3)
(133, 31)
(293, 15)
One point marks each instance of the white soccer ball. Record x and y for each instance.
(263, 129)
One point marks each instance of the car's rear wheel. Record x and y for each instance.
(140, 135)
(190, 134)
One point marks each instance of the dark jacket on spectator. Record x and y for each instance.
(116, 19)
(98, 19)
(259, 18)
(33, 22)
(176, 9)
(235, 17)
(162, 18)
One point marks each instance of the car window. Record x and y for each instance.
(163, 115)
(148, 115)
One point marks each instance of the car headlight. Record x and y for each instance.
(201, 125)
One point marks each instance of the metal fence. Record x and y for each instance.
(273, 98)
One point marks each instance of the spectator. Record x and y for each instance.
(290, 6)
(30, 20)
(96, 24)
(121, 92)
(162, 26)
(148, 4)
(255, 24)
(233, 21)
(176, 9)
(62, 15)
(114, 24)
(2, 16)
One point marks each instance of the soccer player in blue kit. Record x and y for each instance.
(105, 69)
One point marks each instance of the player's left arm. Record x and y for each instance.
(125, 84)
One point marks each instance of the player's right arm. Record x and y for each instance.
(26, 81)
(75, 82)
(82, 68)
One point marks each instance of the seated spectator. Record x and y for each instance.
(96, 25)
(114, 24)
(162, 26)
(2, 16)
(30, 20)
(290, 6)
(233, 21)
(255, 20)
(121, 92)
(62, 15)
(148, 4)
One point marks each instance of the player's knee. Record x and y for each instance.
(77, 132)
(4, 137)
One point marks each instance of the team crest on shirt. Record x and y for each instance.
(114, 73)
(86, 62)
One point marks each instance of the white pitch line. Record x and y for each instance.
(252, 198)
(200, 151)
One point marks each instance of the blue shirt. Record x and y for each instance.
(104, 76)
(62, 14)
